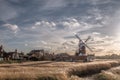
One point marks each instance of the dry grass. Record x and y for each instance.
(29, 73)
(111, 74)
(33, 71)
(105, 76)
(91, 68)
(47, 70)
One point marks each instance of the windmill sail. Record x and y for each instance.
(88, 38)
(84, 42)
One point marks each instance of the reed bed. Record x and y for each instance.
(47, 70)
(91, 68)
(111, 74)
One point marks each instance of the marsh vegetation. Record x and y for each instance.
(48, 70)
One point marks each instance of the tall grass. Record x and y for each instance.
(30, 73)
(111, 74)
(51, 70)
(89, 69)
(104, 75)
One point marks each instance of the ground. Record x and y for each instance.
(50, 70)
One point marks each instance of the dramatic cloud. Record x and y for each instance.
(51, 24)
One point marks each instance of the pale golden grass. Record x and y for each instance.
(91, 68)
(104, 75)
(111, 74)
(51, 70)
(30, 73)
(33, 71)
(115, 70)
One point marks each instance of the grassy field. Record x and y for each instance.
(48, 70)
(111, 74)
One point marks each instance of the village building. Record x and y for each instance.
(36, 54)
(40, 55)
(10, 55)
(1, 52)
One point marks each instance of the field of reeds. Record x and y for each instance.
(48, 70)
(111, 74)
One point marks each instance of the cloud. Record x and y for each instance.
(71, 24)
(51, 4)
(98, 2)
(96, 33)
(26, 44)
(57, 31)
(44, 42)
(12, 27)
(7, 11)
(44, 24)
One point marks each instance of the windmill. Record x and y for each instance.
(83, 45)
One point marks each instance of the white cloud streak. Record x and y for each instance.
(12, 27)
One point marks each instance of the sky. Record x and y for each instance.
(51, 24)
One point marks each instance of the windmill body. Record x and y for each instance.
(82, 50)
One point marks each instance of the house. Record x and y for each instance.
(10, 55)
(36, 54)
(62, 57)
(40, 55)
(14, 55)
(1, 51)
